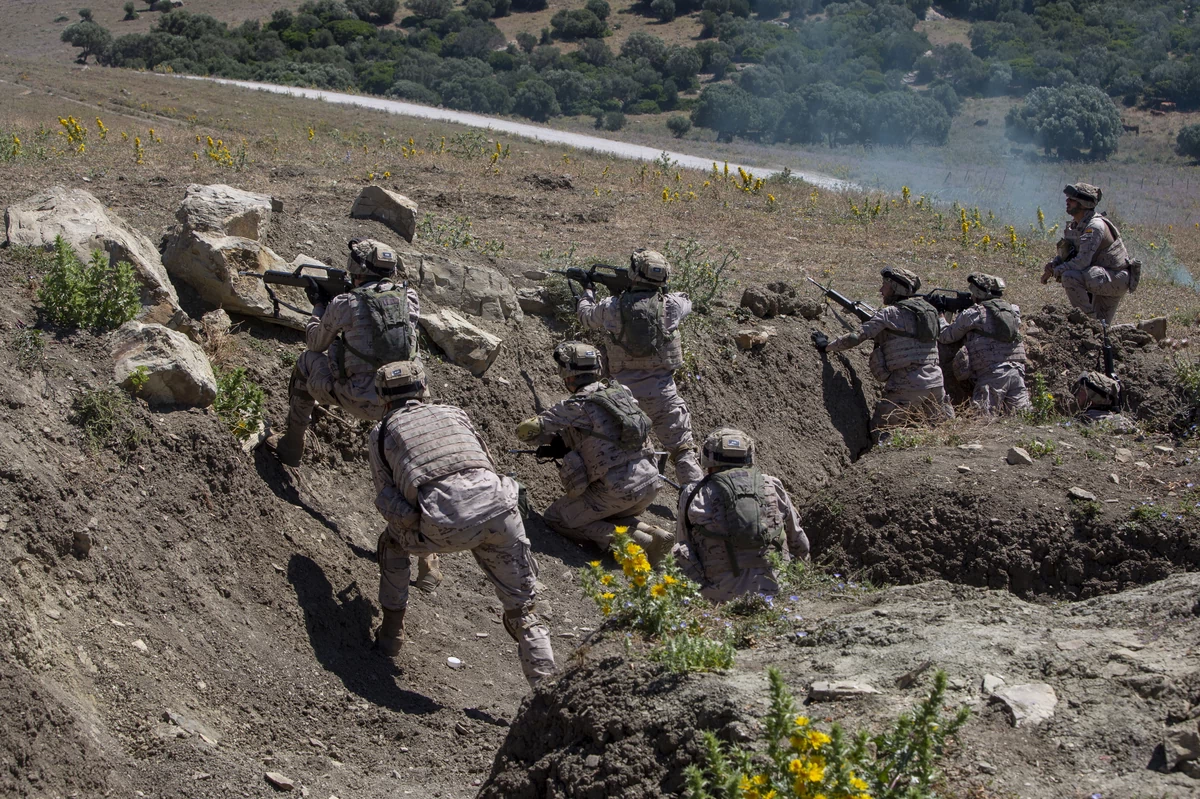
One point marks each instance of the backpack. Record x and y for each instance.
(926, 317)
(1004, 319)
(642, 330)
(741, 493)
(632, 422)
(387, 327)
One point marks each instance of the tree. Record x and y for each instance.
(530, 5)
(598, 7)
(576, 23)
(526, 41)
(664, 10)
(430, 9)
(729, 110)
(645, 45)
(536, 100)
(1071, 118)
(679, 126)
(130, 11)
(1187, 143)
(89, 37)
(479, 9)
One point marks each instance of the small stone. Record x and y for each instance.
(964, 469)
(1142, 465)
(1123, 455)
(749, 339)
(1156, 327)
(991, 683)
(1018, 456)
(1114, 479)
(985, 768)
(970, 447)
(1160, 449)
(53, 613)
(481, 635)
(454, 663)
(462, 729)
(1181, 744)
(140, 646)
(592, 761)
(1071, 646)
(824, 690)
(279, 781)
(1080, 495)
(1028, 705)
(535, 274)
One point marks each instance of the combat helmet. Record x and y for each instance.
(400, 380)
(725, 447)
(1097, 390)
(984, 286)
(649, 267)
(371, 258)
(575, 359)
(1085, 194)
(905, 282)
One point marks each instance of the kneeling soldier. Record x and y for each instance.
(732, 518)
(439, 492)
(608, 471)
(992, 354)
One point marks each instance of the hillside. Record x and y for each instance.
(251, 588)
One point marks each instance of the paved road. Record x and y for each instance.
(579, 141)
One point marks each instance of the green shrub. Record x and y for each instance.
(696, 274)
(1187, 143)
(1038, 449)
(1043, 409)
(239, 402)
(30, 345)
(683, 652)
(106, 416)
(138, 379)
(679, 126)
(101, 295)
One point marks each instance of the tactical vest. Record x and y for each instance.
(430, 442)
(1111, 253)
(380, 333)
(997, 341)
(599, 441)
(752, 520)
(904, 349)
(644, 343)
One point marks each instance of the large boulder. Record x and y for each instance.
(223, 209)
(175, 369)
(476, 290)
(392, 209)
(85, 224)
(471, 347)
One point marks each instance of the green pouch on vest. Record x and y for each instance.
(926, 316)
(388, 333)
(1004, 319)
(632, 422)
(642, 329)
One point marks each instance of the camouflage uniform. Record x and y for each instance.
(605, 485)
(1099, 400)
(1098, 276)
(706, 559)
(651, 378)
(908, 368)
(439, 492)
(327, 372)
(997, 367)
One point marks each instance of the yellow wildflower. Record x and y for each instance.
(858, 784)
(608, 596)
(817, 738)
(632, 550)
(606, 579)
(606, 609)
(621, 528)
(639, 580)
(669, 580)
(802, 721)
(658, 590)
(595, 564)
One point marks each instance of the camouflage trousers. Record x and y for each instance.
(898, 408)
(501, 549)
(313, 383)
(591, 516)
(1096, 291)
(715, 574)
(658, 396)
(1002, 390)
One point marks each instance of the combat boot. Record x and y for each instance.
(289, 448)
(429, 576)
(655, 540)
(390, 635)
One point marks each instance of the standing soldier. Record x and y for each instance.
(608, 469)
(360, 331)
(992, 353)
(905, 359)
(732, 519)
(1092, 265)
(439, 492)
(644, 351)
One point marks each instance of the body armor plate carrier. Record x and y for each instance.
(631, 420)
(388, 334)
(742, 495)
(642, 329)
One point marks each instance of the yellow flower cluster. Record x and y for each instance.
(633, 561)
(76, 133)
(753, 788)
(218, 153)
(139, 152)
(103, 130)
(16, 146)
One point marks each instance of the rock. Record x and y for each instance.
(809, 309)
(779, 299)
(964, 469)
(469, 346)
(991, 683)
(218, 208)
(476, 290)
(536, 274)
(592, 761)
(1156, 327)
(1080, 495)
(211, 264)
(1160, 449)
(749, 339)
(535, 301)
(279, 781)
(985, 767)
(825, 691)
(760, 302)
(1114, 479)
(1123, 455)
(85, 224)
(454, 663)
(140, 646)
(1018, 456)
(190, 725)
(1181, 744)
(392, 209)
(176, 369)
(216, 322)
(971, 447)
(1028, 705)
(1142, 465)
(180, 322)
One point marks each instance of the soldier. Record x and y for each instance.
(1091, 263)
(732, 518)
(608, 469)
(439, 491)
(1099, 398)
(905, 359)
(360, 331)
(645, 350)
(992, 353)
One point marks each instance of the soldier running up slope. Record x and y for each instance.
(905, 358)
(645, 350)
(439, 491)
(608, 470)
(732, 518)
(992, 354)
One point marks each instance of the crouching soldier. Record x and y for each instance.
(992, 353)
(439, 492)
(1099, 399)
(732, 519)
(608, 469)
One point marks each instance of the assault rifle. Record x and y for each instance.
(856, 307)
(318, 289)
(555, 450)
(1107, 352)
(949, 300)
(615, 278)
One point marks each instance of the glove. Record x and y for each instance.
(1047, 272)
(820, 340)
(529, 429)
(318, 309)
(588, 286)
